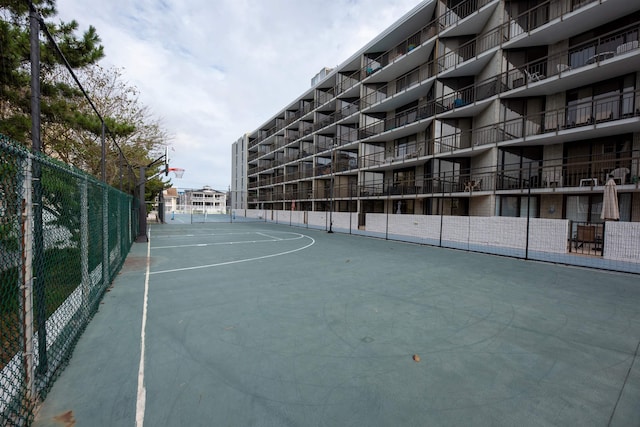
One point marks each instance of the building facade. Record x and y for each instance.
(466, 108)
(239, 157)
(202, 201)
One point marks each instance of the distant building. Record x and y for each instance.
(170, 199)
(321, 75)
(205, 200)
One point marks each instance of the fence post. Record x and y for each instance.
(27, 319)
(36, 201)
(388, 207)
(441, 204)
(526, 244)
(105, 235)
(142, 209)
(84, 244)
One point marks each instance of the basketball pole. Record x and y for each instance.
(142, 209)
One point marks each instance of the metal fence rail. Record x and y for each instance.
(63, 237)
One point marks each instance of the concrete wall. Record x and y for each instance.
(474, 232)
(621, 242)
(548, 238)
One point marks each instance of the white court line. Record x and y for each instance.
(173, 236)
(239, 260)
(142, 392)
(271, 237)
(239, 242)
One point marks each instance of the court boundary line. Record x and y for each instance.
(141, 399)
(298, 236)
(198, 267)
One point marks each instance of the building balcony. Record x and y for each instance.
(569, 176)
(468, 17)
(573, 175)
(551, 21)
(611, 115)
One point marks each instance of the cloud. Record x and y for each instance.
(214, 70)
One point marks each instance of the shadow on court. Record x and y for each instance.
(255, 324)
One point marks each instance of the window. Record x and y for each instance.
(602, 40)
(515, 166)
(404, 181)
(608, 100)
(405, 146)
(406, 114)
(407, 80)
(597, 158)
(447, 175)
(516, 206)
(584, 208)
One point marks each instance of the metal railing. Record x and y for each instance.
(523, 23)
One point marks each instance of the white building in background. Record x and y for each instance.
(170, 196)
(205, 200)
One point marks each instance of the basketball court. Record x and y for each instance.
(257, 324)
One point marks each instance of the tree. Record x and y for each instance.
(57, 99)
(134, 133)
(71, 130)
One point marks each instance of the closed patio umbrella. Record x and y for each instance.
(610, 209)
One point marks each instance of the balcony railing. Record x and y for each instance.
(403, 83)
(539, 15)
(459, 12)
(571, 172)
(539, 178)
(470, 49)
(593, 51)
(602, 48)
(586, 114)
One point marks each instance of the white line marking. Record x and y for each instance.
(237, 261)
(172, 236)
(271, 239)
(142, 392)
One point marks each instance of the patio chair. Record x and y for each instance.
(619, 175)
(474, 185)
(553, 178)
(533, 77)
(588, 237)
(626, 47)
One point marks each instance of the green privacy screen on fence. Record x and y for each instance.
(63, 237)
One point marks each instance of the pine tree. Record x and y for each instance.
(57, 99)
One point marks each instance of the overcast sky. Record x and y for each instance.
(212, 70)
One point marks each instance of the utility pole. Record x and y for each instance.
(38, 243)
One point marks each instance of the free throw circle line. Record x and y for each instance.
(198, 267)
(271, 239)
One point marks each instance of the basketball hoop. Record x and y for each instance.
(177, 171)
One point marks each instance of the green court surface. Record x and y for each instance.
(256, 324)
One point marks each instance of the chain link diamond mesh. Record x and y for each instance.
(63, 237)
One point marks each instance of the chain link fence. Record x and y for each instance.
(63, 237)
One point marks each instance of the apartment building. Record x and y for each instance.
(497, 108)
(239, 179)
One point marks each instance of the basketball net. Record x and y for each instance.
(177, 171)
